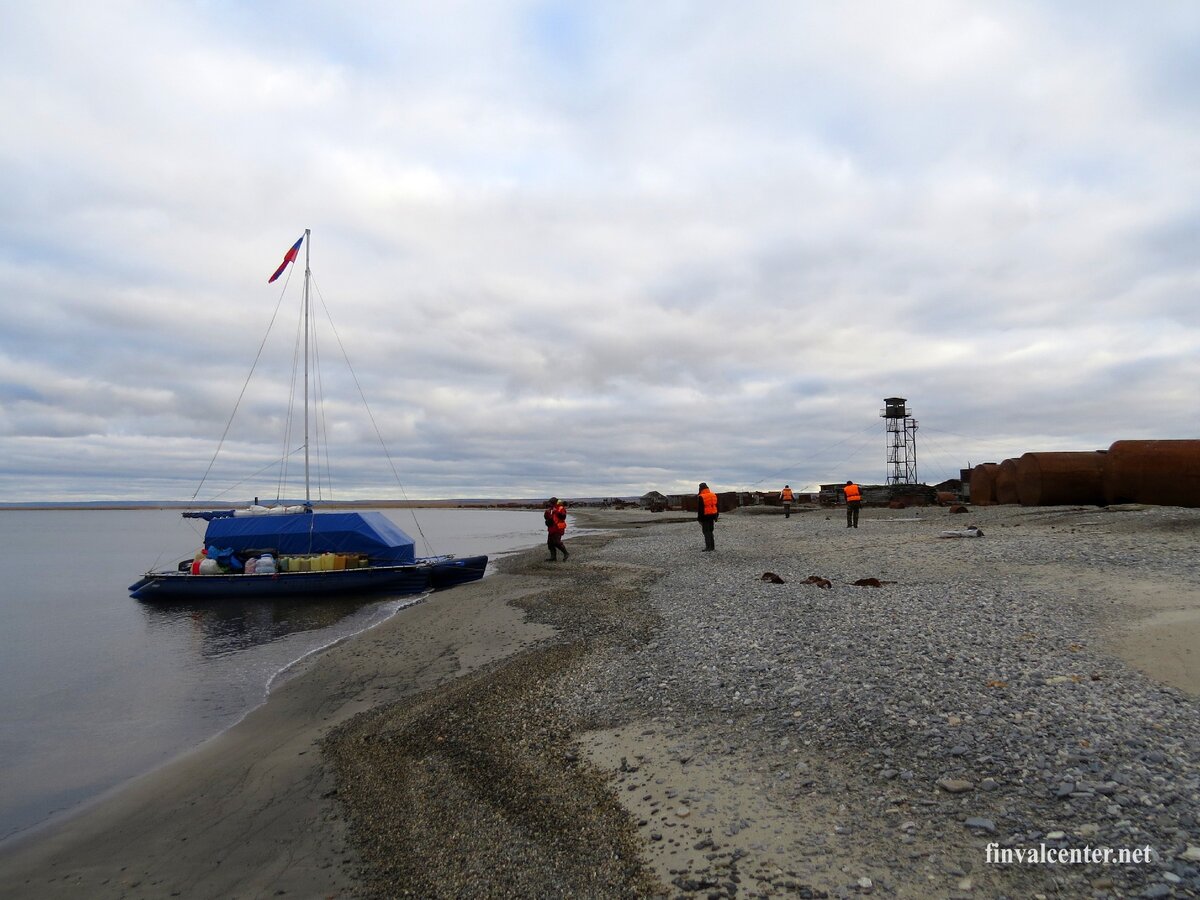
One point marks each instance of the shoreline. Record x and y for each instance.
(250, 811)
(645, 719)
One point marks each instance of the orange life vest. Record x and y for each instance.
(786, 495)
(556, 518)
(709, 499)
(853, 494)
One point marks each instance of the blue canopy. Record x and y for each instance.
(371, 533)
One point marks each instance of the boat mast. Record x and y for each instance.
(307, 277)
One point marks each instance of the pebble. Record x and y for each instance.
(892, 687)
(955, 785)
(981, 823)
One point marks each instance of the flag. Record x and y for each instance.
(288, 257)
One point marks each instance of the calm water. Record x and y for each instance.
(96, 687)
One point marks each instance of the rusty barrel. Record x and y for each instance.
(983, 484)
(1006, 482)
(1166, 473)
(1061, 479)
(727, 501)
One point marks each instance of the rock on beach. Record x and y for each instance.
(694, 730)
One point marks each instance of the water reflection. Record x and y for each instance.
(236, 625)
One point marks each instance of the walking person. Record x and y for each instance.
(853, 503)
(707, 513)
(786, 497)
(556, 525)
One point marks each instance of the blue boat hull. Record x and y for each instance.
(413, 579)
(451, 571)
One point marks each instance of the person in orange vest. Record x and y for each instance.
(707, 513)
(853, 503)
(786, 497)
(556, 525)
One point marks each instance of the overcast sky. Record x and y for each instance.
(589, 249)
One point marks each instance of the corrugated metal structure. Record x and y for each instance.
(1164, 473)
(1061, 479)
(1159, 472)
(1006, 482)
(983, 484)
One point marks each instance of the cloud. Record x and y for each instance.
(589, 250)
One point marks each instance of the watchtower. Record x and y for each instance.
(901, 441)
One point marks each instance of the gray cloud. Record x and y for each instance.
(581, 253)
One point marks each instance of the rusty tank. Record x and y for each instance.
(1061, 479)
(983, 484)
(1006, 482)
(1166, 473)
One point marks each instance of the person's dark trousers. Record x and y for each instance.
(554, 544)
(787, 510)
(852, 514)
(706, 525)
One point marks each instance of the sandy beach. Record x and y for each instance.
(647, 720)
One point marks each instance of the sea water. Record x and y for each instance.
(96, 687)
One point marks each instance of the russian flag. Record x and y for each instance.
(288, 257)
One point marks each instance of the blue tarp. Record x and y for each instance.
(209, 515)
(371, 533)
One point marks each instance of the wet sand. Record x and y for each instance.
(439, 754)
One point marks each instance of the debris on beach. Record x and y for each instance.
(818, 581)
(969, 532)
(772, 578)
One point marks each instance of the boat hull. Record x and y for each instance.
(376, 579)
(449, 572)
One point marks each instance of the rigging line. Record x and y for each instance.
(192, 526)
(322, 426)
(253, 475)
(322, 423)
(370, 415)
(281, 482)
(815, 453)
(318, 396)
(246, 384)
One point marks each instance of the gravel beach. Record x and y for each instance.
(788, 739)
(650, 720)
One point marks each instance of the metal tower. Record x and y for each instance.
(901, 441)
